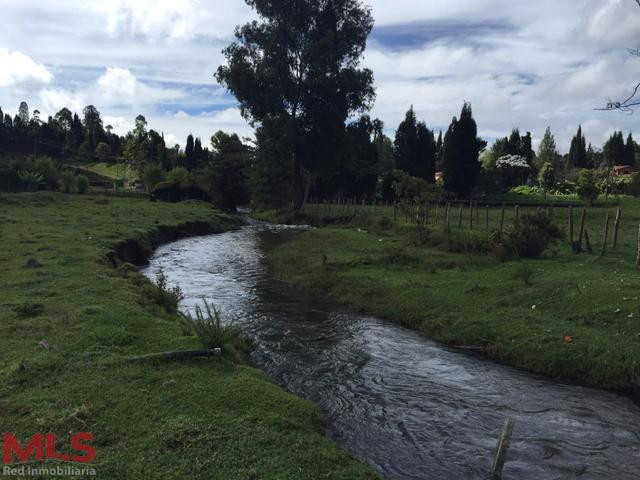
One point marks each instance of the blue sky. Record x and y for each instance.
(520, 63)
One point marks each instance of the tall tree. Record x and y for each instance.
(439, 146)
(427, 154)
(94, 130)
(578, 151)
(460, 156)
(23, 113)
(630, 151)
(299, 66)
(614, 150)
(547, 152)
(406, 144)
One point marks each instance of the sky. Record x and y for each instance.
(520, 63)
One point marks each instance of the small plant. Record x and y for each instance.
(526, 273)
(82, 184)
(165, 296)
(29, 310)
(207, 325)
(32, 263)
(529, 237)
(67, 182)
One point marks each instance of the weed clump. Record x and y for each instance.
(167, 297)
(32, 263)
(529, 237)
(28, 310)
(208, 326)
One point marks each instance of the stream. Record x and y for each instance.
(410, 408)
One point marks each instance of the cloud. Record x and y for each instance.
(176, 20)
(525, 64)
(118, 86)
(17, 70)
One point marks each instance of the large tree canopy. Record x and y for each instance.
(300, 63)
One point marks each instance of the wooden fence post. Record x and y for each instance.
(587, 241)
(517, 212)
(447, 217)
(460, 219)
(502, 218)
(616, 228)
(606, 236)
(470, 215)
(487, 219)
(638, 254)
(437, 212)
(583, 219)
(501, 453)
(570, 224)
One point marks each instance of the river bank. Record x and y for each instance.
(571, 318)
(68, 316)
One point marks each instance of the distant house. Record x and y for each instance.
(623, 170)
(439, 177)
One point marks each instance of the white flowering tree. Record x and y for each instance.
(514, 169)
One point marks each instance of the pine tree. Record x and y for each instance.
(23, 113)
(426, 154)
(439, 146)
(547, 152)
(630, 151)
(578, 151)
(406, 144)
(460, 157)
(189, 153)
(614, 150)
(514, 144)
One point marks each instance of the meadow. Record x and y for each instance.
(69, 322)
(572, 317)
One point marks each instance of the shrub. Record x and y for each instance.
(67, 182)
(165, 296)
(529, 237)
(633, 188)
(587, 189)
(82, 184)
(212, 333)
(28, 310)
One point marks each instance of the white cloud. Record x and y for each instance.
(118, 86)
(19, 70)
(176, 20)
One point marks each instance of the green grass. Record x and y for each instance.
(517, 312)
(207, 419)
(118, 171)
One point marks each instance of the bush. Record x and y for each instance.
(167, 297)
(529, 237)
(82, 184)
(212, 332)
(67, 182)
(29, 310)
(587, 189)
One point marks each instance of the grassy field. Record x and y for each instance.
(207, 419)
(571, 317)
(118, 171)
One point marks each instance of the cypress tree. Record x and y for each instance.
(460, 156)
(578, 150)
(614, 150)
(439, 146)
(427, 153)
(406, 144)
(630, 151)
(514, 144)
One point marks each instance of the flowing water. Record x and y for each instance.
(409, 407)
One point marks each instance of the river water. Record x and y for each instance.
(409, 407)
